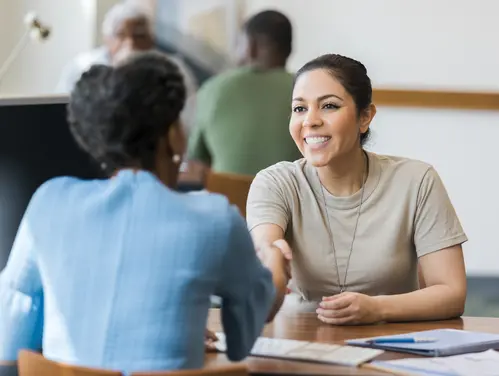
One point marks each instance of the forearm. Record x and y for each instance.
(274, 260)
(432, 303)
(280, 281)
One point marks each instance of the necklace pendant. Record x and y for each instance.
(342, 289)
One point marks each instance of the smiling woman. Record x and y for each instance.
(355, 224)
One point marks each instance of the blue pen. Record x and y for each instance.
(401, 340)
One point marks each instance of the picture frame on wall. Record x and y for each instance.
(205, 31)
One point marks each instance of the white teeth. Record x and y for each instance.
(316, 140)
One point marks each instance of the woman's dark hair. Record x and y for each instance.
(352, 74)
(119, 114)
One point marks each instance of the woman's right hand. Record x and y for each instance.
(276, 255)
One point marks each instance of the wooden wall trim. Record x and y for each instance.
(436, 99)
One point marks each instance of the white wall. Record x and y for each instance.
(445, 44)
(75, 29)
(421, 43)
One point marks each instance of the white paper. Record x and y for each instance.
(484, 364)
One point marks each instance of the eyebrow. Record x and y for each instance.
(320, 99)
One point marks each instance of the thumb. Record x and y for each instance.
(284, 247)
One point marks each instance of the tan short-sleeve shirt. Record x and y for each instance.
(405, 214)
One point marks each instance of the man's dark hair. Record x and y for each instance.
(119, 114)
(274, 28)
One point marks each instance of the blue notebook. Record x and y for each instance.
(447, 342)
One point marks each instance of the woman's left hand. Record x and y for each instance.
(349, 308)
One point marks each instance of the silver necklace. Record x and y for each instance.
(330, 232)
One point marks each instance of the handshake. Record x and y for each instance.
(276, 256)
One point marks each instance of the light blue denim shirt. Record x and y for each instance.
(118, 274)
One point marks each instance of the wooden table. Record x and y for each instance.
(307, 327)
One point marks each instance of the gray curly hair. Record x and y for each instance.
(120, 13)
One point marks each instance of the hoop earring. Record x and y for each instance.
(176, 159)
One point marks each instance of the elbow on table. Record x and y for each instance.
(460, 305)
(456, 306)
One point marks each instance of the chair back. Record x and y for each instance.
(231, 370)
(35, 364)
(234, 187)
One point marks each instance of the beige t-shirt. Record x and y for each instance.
(406, 213)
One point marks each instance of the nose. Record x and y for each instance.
(312, 119)
(128, 43)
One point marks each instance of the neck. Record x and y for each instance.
(345, 175)
(268, 64)
(167, 173)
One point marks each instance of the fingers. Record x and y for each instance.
(338, 303)
(348, 320)
(284, 248)
(209, 340)
(334, 314)
(337, 310)
(209, 345)
(211, 335)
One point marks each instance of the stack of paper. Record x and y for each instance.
(310, 351)
(484, 364)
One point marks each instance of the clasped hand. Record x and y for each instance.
(209, 340)
(278, 254)
(349, 308)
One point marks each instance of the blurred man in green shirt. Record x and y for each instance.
(243, 115)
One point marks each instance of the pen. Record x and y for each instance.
(401, 340)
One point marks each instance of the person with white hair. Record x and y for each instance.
(127, 31)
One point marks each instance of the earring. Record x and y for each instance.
(176, 159)
(103, 165)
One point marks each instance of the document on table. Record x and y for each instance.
(484, 364)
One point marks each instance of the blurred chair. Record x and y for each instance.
(234, 187)
(35, 364)
(231, 370)
(31, 363)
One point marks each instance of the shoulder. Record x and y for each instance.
(54, 192)
(283, 171)
(211, 208)
(205, 202)
(408, 169)
(87, 59)
(226, 79)
(54, 186)
(284, 179)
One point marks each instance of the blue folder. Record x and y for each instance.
(447, 342)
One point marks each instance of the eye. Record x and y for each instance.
(330, 106)
(298, 109)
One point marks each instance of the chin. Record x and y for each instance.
(317, 161)
(318, 158)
